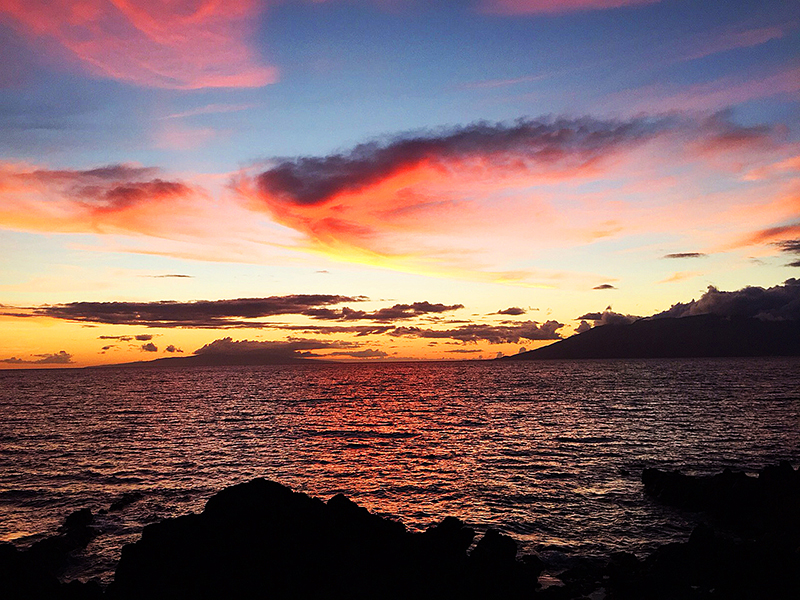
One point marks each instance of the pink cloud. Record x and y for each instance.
(516, 7)
(680, 276)
(154, 43)
(734, 39)
(112, 199)
(711, 95)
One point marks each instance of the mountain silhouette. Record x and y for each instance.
(684, 337)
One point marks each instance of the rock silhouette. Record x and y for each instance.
(32, 574)
(262, 540)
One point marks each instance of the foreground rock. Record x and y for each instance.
(749, 547)
(32, 574)
(260, 539)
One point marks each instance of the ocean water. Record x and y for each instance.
(548, 452)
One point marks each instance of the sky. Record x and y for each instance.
(384, 179)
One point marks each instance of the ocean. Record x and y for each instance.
(549, 452)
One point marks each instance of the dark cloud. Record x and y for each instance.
(685, 255)
(368, 353)
(122, 196)
(222, 314)
(119, 338)
(149, 347)
(171, 275)
(465, 350)
(109, 173)
(251, 351)
(357, 330)
(604, 286)
(204, 314)
(103, 190)
(790, 247)
(494, 334)
(721, 133)
(229, 346)
(513, 310)
(408, 311)
(607, 317)
(58, 358)
(172, 348)
(143, 337)
(781, 302)
(584, 326)
(308, 181)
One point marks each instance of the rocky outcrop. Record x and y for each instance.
(32, 574)
(748, 548)
(260, 539)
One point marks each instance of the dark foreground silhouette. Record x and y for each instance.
(684, 337)
(261, 540)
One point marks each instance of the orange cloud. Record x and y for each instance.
(680, 276)
(371, 198)
(515, 7)
(155, 43)
(112, 199)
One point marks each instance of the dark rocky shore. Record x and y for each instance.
(260, 539)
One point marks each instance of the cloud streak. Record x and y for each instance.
(494, 334)
(203, 314)
(554, 7)
(115, 198)
(685, 255)
(235, 313)
(790, 247)
(153, 43)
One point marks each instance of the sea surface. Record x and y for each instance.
(548, 452)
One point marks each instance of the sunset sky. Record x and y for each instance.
(384, 179)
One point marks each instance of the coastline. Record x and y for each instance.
(260, 536)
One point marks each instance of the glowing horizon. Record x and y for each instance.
(548, 158)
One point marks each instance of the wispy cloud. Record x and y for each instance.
(496, 83)
(685, 255)
(184, 45)
(208, 109)
(521, 7)
(680, 276)
(716, 94)
(725, 40)
(121, 198)
(790, 247)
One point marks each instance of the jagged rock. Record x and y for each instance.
(262, 539)
(126, 499)
(32, 574)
